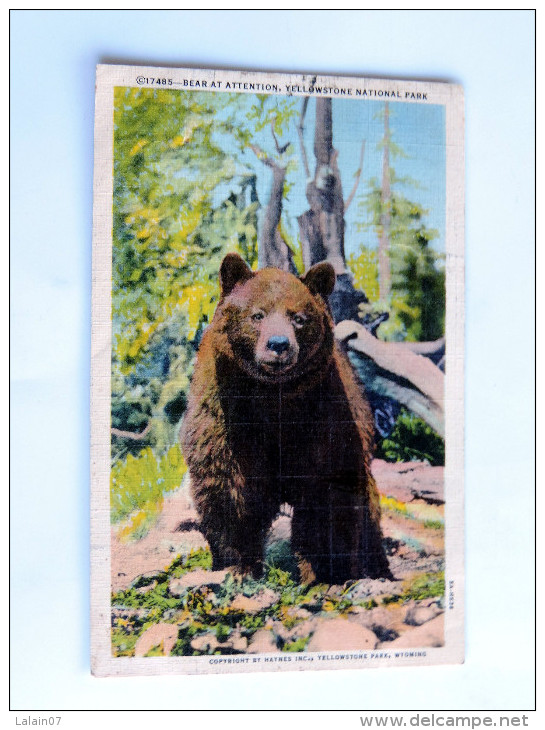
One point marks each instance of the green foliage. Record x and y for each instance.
(157, 600)
(158, 213)
(223, 632)
(417, 300)
(185, 634)
(198, 602)
(364, 267)
(298, 645)
(181, 201)
(251, 623)
(277, 578)
(138, 485)
(339, 604)
(412, 440)
(132, 408)
(429, 585)
(123, 642)
(269, 110)
(280, 556)
(434, 524)
(418, 282)
(199, 558)
(418, 278)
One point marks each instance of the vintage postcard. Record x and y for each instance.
(277, 372)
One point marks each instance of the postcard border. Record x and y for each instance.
(451, 96)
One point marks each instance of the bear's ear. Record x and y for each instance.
(233, 270)
(320, 279)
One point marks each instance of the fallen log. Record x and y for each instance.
(395, 370)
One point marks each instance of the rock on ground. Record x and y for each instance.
(208, 643)
(432, 633)
(256, 603)
(418, 615)
(163, 635)
(263, 642)
(339, 634)
(197, 579)
(410, 480)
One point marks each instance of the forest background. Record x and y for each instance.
(199, 174)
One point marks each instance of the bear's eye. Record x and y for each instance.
(257, 316)
(299, 319)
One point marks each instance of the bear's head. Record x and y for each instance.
(278, 327)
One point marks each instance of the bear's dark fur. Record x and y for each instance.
(275, 415)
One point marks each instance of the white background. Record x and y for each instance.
(53, 57)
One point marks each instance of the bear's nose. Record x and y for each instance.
(278, 344)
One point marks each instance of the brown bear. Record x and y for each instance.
(275, 415)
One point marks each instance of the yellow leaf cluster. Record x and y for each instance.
(190, 220)
(365, 269)
(176, 259)
(141, 340)
(137, 487)
(182, 139)
(401, 305)
(198, 303)
(140, 522)
(390, 503)
(146, 220)
(138, 146)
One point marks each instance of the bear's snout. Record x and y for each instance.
(276, 351)
(278, 344)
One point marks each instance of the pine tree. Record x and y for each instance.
(410, 272)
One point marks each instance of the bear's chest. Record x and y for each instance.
(289, 438)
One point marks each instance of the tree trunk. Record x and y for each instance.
(321, 228)
(384, 273)
(272, 249)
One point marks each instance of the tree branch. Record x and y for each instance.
(300, 131)
(357, 181)
(279, 149)
(130, 434)
(261, 155)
